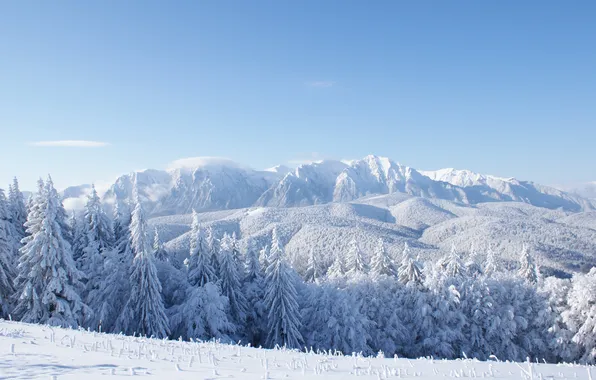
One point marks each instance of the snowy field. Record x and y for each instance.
(39, 352)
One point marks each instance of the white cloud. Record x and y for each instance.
(70, 143)
(320, 83)
(197, 162)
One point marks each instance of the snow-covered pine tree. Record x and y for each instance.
(281, 299)
(202, 315)
(213, 246)
(473, 267)
(79, 237)
(109, 300)
(158, 248)
(313, 268)
(337, 268)
(527, 269)
(230, 281)
(334, 321)
(264, 257)
(580, 317)
(453, 265)
(254, 291)
(382, 263)
(200, 270)
(48, 282)
(7, 257)
(409, 271)
(491, 265)
(236, 254)
(18, 210)
(356, 261)
(98, 223)
(144, 313)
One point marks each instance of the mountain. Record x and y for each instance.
(206, 184)
(586, 189)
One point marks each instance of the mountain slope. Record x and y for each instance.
(208, 185)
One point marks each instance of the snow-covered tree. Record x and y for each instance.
(491, 265)
(79, 237)
(580, 317)
(254, 291)
(264, 257)
(97, 222)
(7, 257)
(17, 208)
(213, 246)
(313, 268)
(337, 268)
(382, 263)
(109, 300)
(281, 299)
(356, 261)
(202, 315)
(409, 271)
(200, 269)
(230, 281)
(527, 268)
(473, 267)
(48, 282)
(144, 313)
(334, 322)
(452, 267)
(158, 248)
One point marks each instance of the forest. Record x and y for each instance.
(111, 273)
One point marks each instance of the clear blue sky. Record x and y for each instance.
(500, 87)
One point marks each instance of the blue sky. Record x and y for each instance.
(499, 87)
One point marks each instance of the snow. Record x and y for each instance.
(29, 351)
(214, 183)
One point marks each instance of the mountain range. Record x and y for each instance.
(216, 184)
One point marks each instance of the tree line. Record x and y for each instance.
(113, 274)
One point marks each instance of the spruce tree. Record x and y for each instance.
(79, 238)
(409, 271)
(158, 248)
(337, 267)
(17, 208)
(7, 257)
(200, 270)
(356, 260)
(382, 263)
(527, 268)
(281, 299)
(313, 268)
(144, 313)
(491, 265)
(230, 281)
(254, 291)
(48, 282)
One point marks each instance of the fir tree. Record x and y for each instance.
(527, 268)
(281, 299)
(313, 269)
(79, 237)
(158, 248)
(256, 317)
(7, 257)
(473, 268)
(356, 261)
(453, 265)
(48, 282)
(200, 270)
(144, 313)
(230, 280)
(337, 268)
(17, 208)
(409, 271)
(491, 265)
(382, 263)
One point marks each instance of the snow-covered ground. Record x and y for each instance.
(41, 352)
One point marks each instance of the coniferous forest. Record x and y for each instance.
(111, 273)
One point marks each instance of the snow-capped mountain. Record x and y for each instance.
(482, 188)
(207, 184)
(586, 189)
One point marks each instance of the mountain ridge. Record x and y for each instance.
(210, 184)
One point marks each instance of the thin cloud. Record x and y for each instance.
(321, 84)
(70, 144)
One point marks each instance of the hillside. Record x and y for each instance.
(30, 351)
